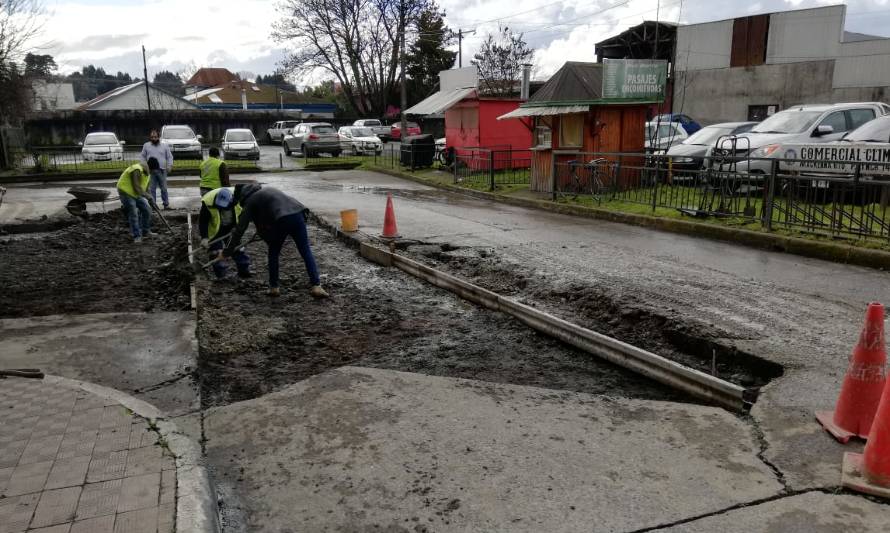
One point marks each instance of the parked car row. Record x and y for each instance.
(183, 143)
(748, 146)
(372, 128)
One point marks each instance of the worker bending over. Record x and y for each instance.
(218, 218)
(214, 172)
(276, 216)
(132, 188)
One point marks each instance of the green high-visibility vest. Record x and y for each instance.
(209, 201)
(210, 173)
(125, 183)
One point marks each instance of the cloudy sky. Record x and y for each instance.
(236, 33)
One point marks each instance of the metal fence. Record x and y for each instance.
(852, 205)
(491, 166)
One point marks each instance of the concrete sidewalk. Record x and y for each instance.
(74, 462)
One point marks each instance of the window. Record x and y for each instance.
(543, 137)
(859, 117)
(757, 113)
(836, 120)
(571, 131)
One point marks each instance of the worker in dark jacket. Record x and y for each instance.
(219, 215)
(276, 216)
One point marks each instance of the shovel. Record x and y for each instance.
(240, 249)
(161, 216)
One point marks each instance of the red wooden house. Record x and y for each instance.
(471, 118)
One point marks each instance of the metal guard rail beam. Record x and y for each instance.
(693, 382)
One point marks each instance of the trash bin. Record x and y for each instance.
(418, 151)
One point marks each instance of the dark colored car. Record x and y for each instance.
(396, 130)
(690, 154)
(689, 125)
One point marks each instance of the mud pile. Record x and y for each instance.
(251, 345)
(93, 267)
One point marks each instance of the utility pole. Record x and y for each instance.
(145, 73)
(404, 103)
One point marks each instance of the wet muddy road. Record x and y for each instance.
(251, 345)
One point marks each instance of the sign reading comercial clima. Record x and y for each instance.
(634, 79)
(873, 159)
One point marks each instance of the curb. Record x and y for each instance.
(827, 251)
(708, 388)
(196, 508)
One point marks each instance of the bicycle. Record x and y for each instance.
(594, 184)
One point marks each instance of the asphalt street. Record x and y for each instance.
(803, 314)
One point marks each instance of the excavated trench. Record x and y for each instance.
(695, 345)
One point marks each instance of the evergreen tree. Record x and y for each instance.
(428, 54)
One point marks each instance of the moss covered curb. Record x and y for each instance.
(829, 251)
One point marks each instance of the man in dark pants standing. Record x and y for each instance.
(276, 216)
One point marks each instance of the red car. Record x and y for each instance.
(396, 130)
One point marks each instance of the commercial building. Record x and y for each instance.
(748, 68)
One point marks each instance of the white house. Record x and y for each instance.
(133, 98)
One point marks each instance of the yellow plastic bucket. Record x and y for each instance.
(349, 220)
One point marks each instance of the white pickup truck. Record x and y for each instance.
(379, 129)
(275, 134)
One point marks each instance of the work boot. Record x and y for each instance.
(317, 292)
(166, 208)
(137, 240)
(149, 233)
(274, 292)
(245, 274)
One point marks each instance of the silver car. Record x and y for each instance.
(240, 144)
(361, 140)
(798, 125)
(311, 139)
(690, 154)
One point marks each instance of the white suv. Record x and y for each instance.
(183, 142)
(800, 124)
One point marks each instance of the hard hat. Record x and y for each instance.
(223, 197)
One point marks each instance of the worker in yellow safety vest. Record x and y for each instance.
(132, 188)
(219, 216)
(214, 172)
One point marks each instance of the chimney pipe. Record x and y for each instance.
(244, 99)
(526, 81)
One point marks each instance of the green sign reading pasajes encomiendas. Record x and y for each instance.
(634, 79)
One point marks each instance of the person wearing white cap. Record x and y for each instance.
(219, 216)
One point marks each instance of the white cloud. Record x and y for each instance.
(174, 32)
(237, 33)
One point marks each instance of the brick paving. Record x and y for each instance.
(74, 462)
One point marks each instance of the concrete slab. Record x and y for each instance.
(355, 449)
(148, 355)
(813, 512)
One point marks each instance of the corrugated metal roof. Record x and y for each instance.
(440, 101)
(543, 111)
(574, 82)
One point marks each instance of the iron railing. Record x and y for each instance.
(750, 190)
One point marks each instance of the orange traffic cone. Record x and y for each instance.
(869, 471)
(863, 384)
(389, 220)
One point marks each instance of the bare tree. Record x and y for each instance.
(21, 21)
(356, 41)
(499, 62)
